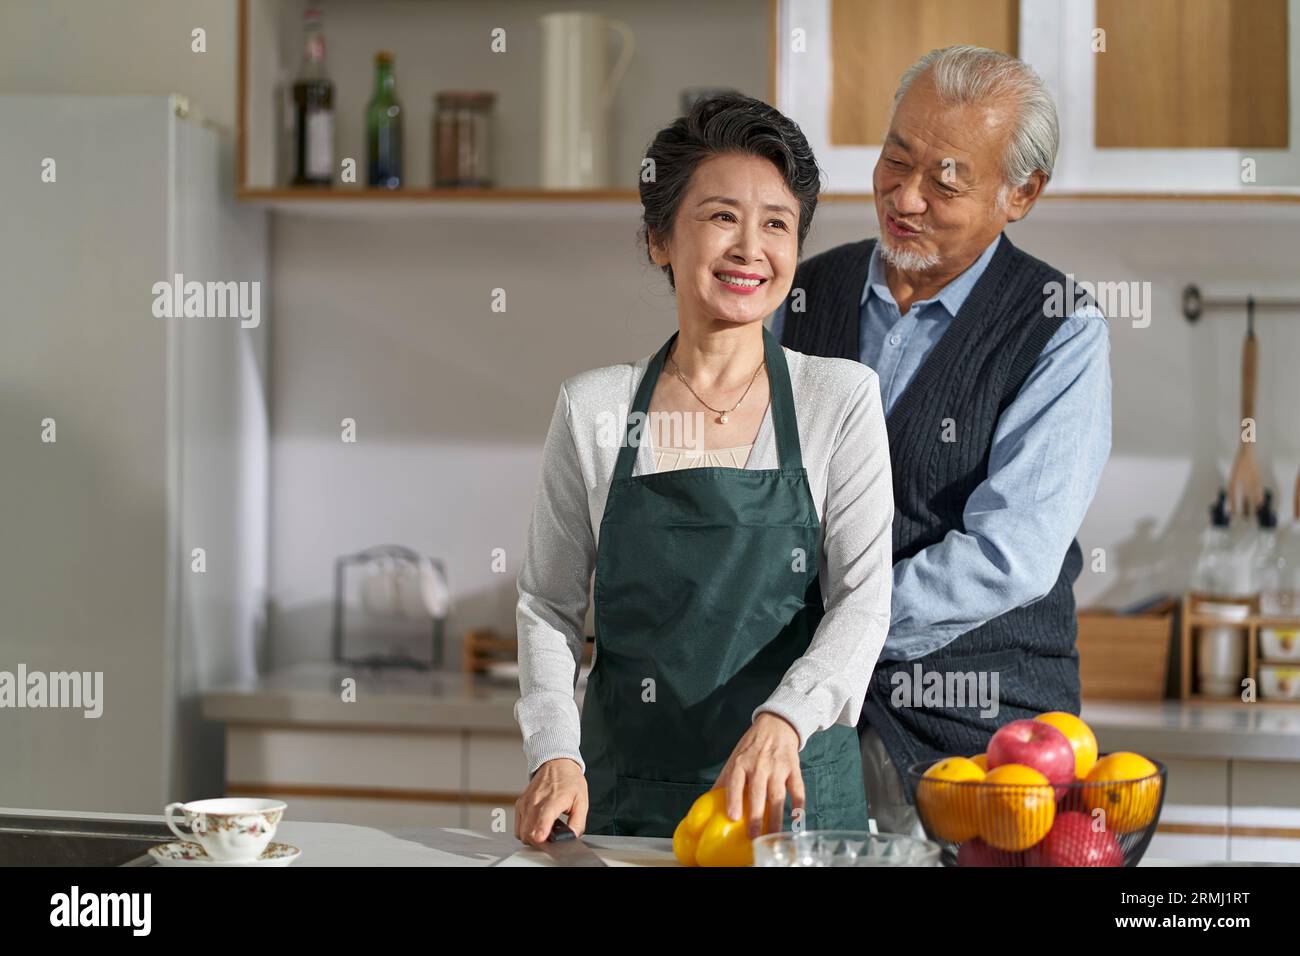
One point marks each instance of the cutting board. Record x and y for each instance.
(615, 851)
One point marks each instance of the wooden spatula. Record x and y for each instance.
(1245, 489)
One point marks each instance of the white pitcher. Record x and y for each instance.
(577, 90)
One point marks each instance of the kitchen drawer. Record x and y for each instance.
(1265, 811)
(495, 764)
(405, 813)
(1194, 820)
(340, 757)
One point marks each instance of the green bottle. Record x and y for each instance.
(384, 128)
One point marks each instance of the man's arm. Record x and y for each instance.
(1048, 452)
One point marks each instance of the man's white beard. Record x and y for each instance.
(906, 259)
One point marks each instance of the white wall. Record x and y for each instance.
(122, 46)
(389, 322)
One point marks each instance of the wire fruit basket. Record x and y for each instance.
(1083, 823)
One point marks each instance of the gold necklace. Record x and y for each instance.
(721, 413)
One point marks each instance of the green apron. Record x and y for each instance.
(706, 592)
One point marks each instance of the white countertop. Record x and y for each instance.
(343, 844)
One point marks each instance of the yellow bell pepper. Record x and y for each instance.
(707, 837)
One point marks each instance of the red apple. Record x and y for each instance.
(976, 852)
(1035, 744)
(1073, 842)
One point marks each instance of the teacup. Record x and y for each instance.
(228, 828)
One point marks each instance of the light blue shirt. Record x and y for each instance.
(1049, 448)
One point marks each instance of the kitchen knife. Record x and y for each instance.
(564, 847)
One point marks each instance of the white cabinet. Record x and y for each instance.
(1238, 810)
(400, 777)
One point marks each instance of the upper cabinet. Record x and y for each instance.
(1193, 74)
(1154, 96)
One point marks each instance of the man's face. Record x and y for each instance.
(738, 220)
(937, 180)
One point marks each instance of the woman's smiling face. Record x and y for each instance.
(737, 220)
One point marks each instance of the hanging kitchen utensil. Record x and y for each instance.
(1295, 505)
(1245, 489)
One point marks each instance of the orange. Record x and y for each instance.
(1131, 791)
(1016, 807)
(946, 797)
(981, 761)
(1081, 738)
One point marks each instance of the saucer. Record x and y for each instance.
(192, 854)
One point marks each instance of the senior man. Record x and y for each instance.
(997, 408)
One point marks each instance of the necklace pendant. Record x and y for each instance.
(722, 419)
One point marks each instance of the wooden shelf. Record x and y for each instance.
(307, 195)
(1250, 625)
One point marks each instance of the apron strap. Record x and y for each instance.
(784, 422)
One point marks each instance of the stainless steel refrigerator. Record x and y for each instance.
(133, 446)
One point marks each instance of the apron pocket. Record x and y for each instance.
(834, 796)
(652, 808)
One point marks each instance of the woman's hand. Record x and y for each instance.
(557, 787)
(764, 765)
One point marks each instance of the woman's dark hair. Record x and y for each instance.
(726, 123)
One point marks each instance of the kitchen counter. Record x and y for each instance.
(340, 844)
(311, 694)
(1193, 729)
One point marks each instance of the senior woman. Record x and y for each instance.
(742, 583)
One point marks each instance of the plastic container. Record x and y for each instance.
(1279, 644)
(1279, 682)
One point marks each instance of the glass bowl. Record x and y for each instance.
(843, 848)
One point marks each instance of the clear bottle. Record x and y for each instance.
(1265, 572)
(313, 110)
(1283, 599)
(1213, 575)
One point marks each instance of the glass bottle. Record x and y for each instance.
(1213, 575)
(313, 110)
(384, 128)
(1265, 570)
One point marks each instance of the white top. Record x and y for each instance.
(675, 459)
(846, 454)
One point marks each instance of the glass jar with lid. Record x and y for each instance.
(462, 156)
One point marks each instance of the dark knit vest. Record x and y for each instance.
(965, 383)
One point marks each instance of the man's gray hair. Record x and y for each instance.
(973, 74)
